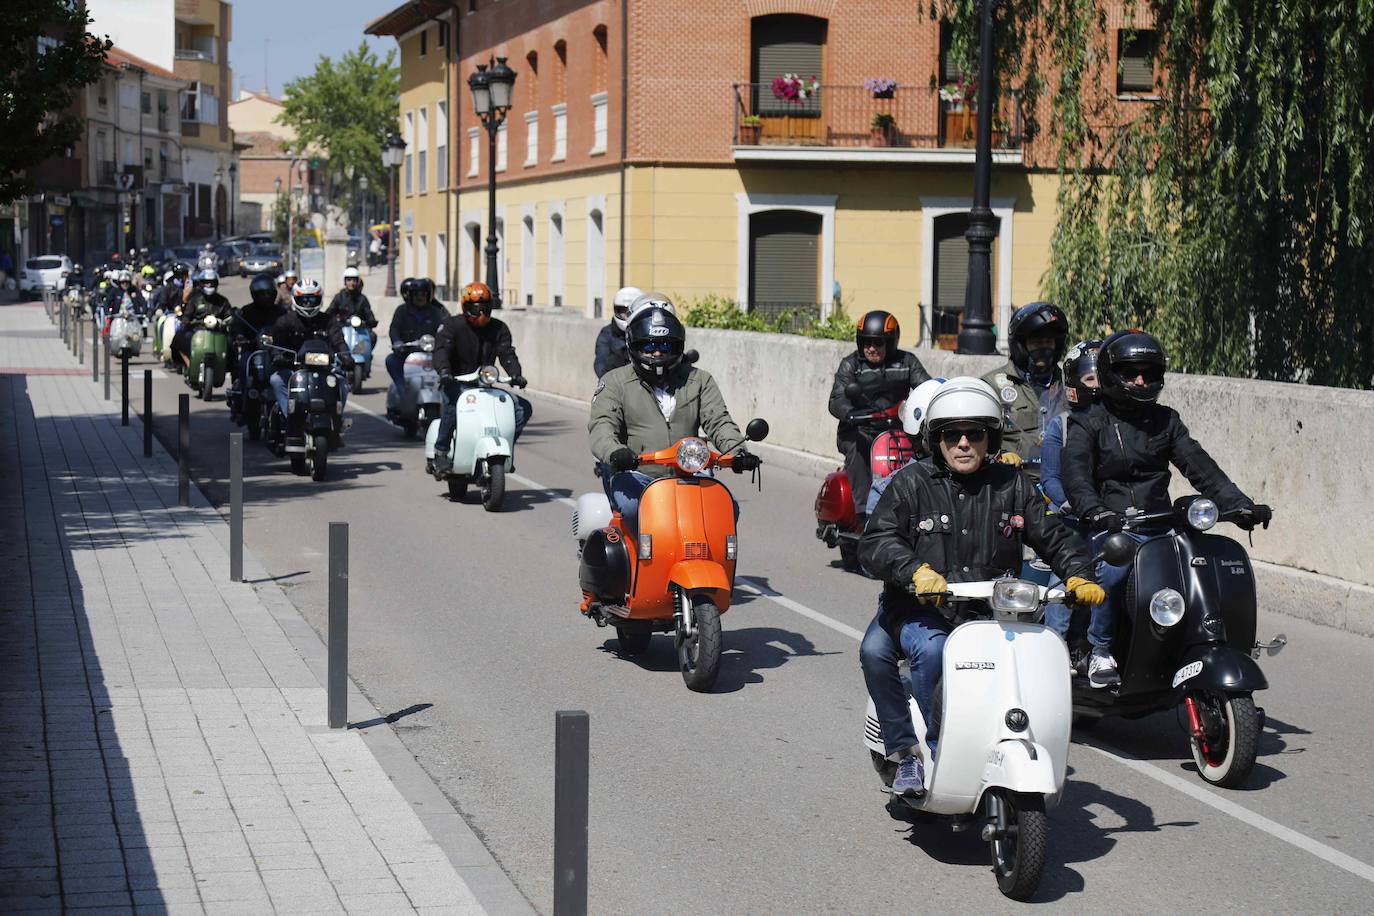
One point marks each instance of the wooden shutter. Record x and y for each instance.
(784, 259)
(786, 44)
(1136, 50)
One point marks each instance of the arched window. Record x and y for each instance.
(556, 260)
(599, 58)
(527, 258)
(560, 70)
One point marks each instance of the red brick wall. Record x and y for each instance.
(256, 175)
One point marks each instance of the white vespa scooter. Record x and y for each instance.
(126, 333)
(416, 403)
(483, 446)
(1006, 710)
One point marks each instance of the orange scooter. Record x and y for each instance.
(672, 568)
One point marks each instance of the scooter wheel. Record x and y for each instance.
(1230, 727)
(699, 655)
(494, 490)
(457, 488)
(1021, 836)
(409, 428)
(319, 461)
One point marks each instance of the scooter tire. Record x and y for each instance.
(409, 428)
(207, 376)
(298, 464)
(494, 490)
(319, 462)
(457, 488)
(699, 657)
(252, 421)
(632, 643)
(1230, 769)
(357, 380)
(1018, 861)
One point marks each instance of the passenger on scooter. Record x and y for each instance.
(610, 342)
(204, 301)
(305, 321)
(168, 295)
(124, 291)
(253, 320)
(464, 344)
(350, 302)
(885, 375)
(418, 315)
(1030, 384)
(957, 516)
(1117, 456)
(653, 402)
(285, 283)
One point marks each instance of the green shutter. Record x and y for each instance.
(1136, 50)
(785, 44)
(784, 260)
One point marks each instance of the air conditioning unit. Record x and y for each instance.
(558, 302)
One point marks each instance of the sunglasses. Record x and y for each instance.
(974, 435)
(476, 308)
(622, 311)
(656, 346)
(1150, 374)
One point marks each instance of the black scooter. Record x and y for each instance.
(1185, 636)
(314, 423)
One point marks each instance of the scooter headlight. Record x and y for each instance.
(1015, 596)
(1166, 607)
(427, 343)
(692, 455)
(488, 375)
(1202, 513)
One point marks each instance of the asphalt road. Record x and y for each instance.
(759, 798)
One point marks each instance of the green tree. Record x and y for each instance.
(1231, 215)
(345, 109)
(38, 84)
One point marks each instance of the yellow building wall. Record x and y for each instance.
(423, 86)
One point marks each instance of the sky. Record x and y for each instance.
(296, 33)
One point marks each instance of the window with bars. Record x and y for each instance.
(1135, 61)
(599, 123)
(560, 133)
(531, 138)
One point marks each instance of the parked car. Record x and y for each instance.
(262, 258)
(230, 256)
(49, 271)
(259, 238)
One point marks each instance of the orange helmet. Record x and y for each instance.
(477, 303)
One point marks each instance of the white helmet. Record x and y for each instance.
(352, 274)
(964, 399)
(123, 276)
(307, 298)
(916, 405)
(620, 305)
(650, 300)
(167, 277)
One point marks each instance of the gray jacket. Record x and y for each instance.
(626, 414)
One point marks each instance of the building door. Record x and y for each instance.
(527, 259)
(784, 263)
(475, 246)
(951, 277)
(596, 265)
(556, 260)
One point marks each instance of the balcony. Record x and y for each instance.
(851, 124)
(105, 174)
(195, 54)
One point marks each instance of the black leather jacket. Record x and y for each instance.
(1118, 460)
(254, 319)
(200, 305)
(967, 527)
(611, 350)
(460, 348)
(291, 330)
(345, 305)
(410, 323)
(882, 387)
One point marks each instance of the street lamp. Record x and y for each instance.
(393, 152)
(219, 215)
(233, 173)
(362, 215)
(975, 336)
(491, 97)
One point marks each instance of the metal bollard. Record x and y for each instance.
(147, 413)
(183, 449)
(76, 330)
(124, 391)
(236, 507)
(107, 368)
(81, 345)
(95, 350)
(570, 784)
(338, 625)
(62, 322)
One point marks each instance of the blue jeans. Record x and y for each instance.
(923, 644)
(624, 489)
(395, 367)
(1102, 623)
(448, 421)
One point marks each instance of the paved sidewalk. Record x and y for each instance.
(162, 743)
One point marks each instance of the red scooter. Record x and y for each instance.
(836, 522)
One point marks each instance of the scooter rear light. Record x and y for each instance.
(731, 546)
(646, 546)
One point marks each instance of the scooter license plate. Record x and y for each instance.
(1190, 670)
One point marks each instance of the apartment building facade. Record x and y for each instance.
(203, 29)
(792, 155)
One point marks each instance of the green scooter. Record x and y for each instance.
(209, 357)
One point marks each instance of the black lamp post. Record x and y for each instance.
(491, 95)
(393, 151)
(233, 189)
(975, 336)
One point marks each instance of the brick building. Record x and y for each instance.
(733, 148)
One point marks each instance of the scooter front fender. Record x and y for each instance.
(1223, 669)
(702, 576)
(492, 447)
(1023, 766)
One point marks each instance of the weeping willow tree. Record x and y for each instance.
(1230, 215)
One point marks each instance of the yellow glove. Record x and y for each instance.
(1010, 458)
(1084, 592)
(930, 585)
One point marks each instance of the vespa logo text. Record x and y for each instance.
(1199, 561)
(975, 666)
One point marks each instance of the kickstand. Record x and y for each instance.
(756, 477)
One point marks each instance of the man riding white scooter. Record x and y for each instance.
(957, 516)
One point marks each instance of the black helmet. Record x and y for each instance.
(1081, 361)
(412, 285)
(263, 289)
(1140, 352)
(878, 325)
(1034, 320)
(656, 340)
(180, 271)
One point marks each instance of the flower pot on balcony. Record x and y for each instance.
(749, 134)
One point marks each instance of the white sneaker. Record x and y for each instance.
(1102, 668)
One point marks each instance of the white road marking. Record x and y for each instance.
(1196, 792)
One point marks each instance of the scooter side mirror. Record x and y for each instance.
(1119, 549)
(690, 357)
(853, 390)
(757, 430)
